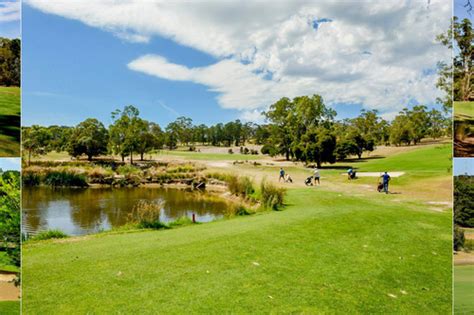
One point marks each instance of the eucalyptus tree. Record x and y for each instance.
(35, 140)
(89, 137)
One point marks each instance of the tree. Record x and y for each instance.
(282, 117)
(89, 137)
(149, 137)
(124, 131)
(35, 140)
(463, 36)
(10, 212)
(464, 201)
(10, 54)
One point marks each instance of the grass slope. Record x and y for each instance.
(325, 252)
(463, 110)
(464, 289)
(9, 307)
(10, 121)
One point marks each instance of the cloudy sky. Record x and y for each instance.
(10, 13)
(221, 60)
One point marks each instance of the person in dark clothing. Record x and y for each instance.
(282, 175)
(385, 180)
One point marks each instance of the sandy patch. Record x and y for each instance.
(376, 174)
(8, 290)
(463, 258)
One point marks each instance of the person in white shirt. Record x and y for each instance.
(316, 176)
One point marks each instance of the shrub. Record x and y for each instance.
(267, 149)
(246, 150)
(254, 152)
(242, 186)
(127, 169)
(458, 238)
(241, 210)
(272, 197)
(146, 215)
(65, 178)
(49, 234)
(230, 151)
(30, 179)
(184, 220)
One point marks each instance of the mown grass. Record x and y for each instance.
(9, 307)
(326, 252)
(464, 289)
(9, 121)
(463, 110)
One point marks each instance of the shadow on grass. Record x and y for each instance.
(10, 135)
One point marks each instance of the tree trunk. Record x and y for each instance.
(29, 157)
(89, 157)
(141, 156)
(287, 153)
(131, 158)
(318, 163)
(123, 157)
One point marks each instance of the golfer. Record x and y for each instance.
(282, 175)
(316, 176)
(385, 180)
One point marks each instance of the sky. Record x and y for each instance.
(7, 164)
(463, 166)
(217, 61)
(10, 13)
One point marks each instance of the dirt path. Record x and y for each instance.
(8, 290)
(463, 258)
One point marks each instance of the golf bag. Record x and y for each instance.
(379, 187)
(308, 181)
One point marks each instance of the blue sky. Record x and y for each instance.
(10, 19)
(216, 62)
(7, 164)
(463, 166)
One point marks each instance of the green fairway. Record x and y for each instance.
(429, 158)
(464, 289)
(463, 110)
(325, 252)
(9, 307)
(9, 121)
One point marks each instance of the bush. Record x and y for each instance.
(127, 169)
(181, 221)
(65, 178)
(241, 186)
(272, 197)
(254, 152)
(146, 215)
(458, 238)
(241, 210)
(230, 151)
(49, 234)
(30, 179)
(267, 149)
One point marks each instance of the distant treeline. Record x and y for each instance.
(301, 129)
(10, 62)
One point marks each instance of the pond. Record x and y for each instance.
(80, 211)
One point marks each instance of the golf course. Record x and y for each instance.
(337, 247)
(9, 121)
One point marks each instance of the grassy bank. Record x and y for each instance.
(9, 121)
(328, 252)
(10, 307)
(464, 289)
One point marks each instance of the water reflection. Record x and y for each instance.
(78, 211)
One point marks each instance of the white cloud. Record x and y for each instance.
(370, 53)
(9, 11)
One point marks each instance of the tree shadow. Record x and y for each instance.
(10, 126)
